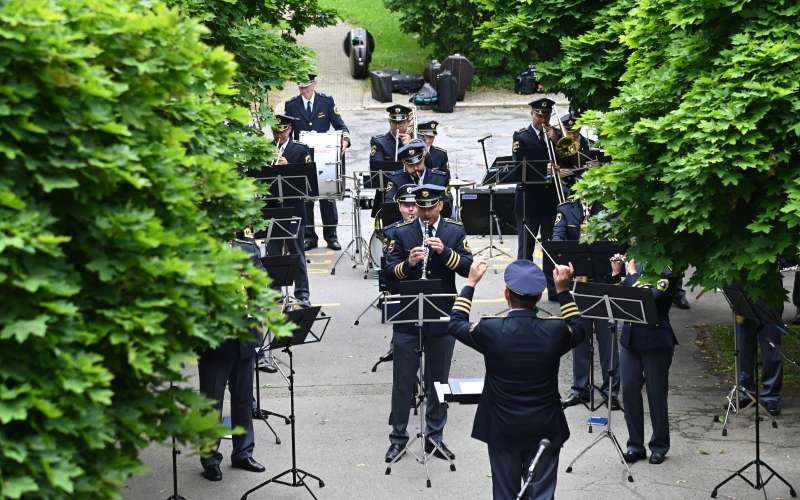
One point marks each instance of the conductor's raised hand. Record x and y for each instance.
(562, 275)
(631, 267)
(478, 268)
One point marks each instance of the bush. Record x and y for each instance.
(704, 136)
(117, 187)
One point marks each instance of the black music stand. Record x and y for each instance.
(743, 306)
(290, 181)
(419, 302)
(491, 179)
(378, 179)
(303, 334)
(732, 399)
(590, 260)
(617, 303)
(175, 453)
(284, 224)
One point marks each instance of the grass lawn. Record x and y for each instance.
(719, 348)
(393, 48)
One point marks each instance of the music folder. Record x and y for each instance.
(588, 259)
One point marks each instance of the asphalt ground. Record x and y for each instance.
(342, 408)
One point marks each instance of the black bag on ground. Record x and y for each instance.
(525, 82)
(358, 46)
(447, 92)
(381, 86)
(462, 70)
(407, 84)
(426, 96)
(431, 70)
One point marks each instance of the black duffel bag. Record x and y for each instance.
(426, 96)
(525, 82)
(407, 84)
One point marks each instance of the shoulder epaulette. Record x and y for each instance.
(551, 317)
(440, 149)
(568, 202)
(322, 94)
(453, 221)
(437, 172)
(294, 98)
(401, 224)
(377, 136)
(523, 129)
(492, 316)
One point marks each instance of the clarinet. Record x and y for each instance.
(427, 251)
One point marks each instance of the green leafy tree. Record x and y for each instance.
(589, 66)
(704, 136)
(117, 190)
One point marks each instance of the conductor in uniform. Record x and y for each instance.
(448, 254)
(535, 203)
(231, 364)
(294, 152)
(519, 405)
(645, 355)
(317, 112)
(571, 218)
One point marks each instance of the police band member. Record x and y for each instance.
(572, 167)
(294, 152)
(317, 112)
(231, 365)
(412, 155)
(645, 355)
(519, 405)
(436, 157)
(406, 204)
(448, 254)
(535, 203)
(384, 147)
(571, 219)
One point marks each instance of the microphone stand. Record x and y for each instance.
(543, 444)
(175, 453)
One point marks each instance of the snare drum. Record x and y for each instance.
(327, 155)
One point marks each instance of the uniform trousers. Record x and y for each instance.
(648, 368)
(438, 355)
(237, 373)
(540, 221)
(510, 467)
(603, 348)
(330, 219)
(749, 338)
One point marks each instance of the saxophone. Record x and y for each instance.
(425, 226)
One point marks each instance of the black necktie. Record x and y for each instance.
(541, 137)
(308, 108)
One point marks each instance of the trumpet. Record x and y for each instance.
(427, 248)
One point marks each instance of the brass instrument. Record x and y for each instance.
(427, 248)
(566, 146)
(279, 154)
(551, 153)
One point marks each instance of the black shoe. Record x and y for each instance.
(575, 399)
(248, 464)
(444, 454)
(309, 245)
(773, 408)
(657, 458)
(744, 402)
(681, 302)
(334, 244)
(266, 364)
(212, 473)
(634, 456)
(394, 450)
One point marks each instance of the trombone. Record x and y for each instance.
(551, 153)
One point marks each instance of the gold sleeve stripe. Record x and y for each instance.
(571, 306)
(461, 309)
(398, 271)
(571, 314)
(451, 260)
(464, 302)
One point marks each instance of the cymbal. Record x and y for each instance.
(461, 182)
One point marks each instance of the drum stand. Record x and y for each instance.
(357, 248)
